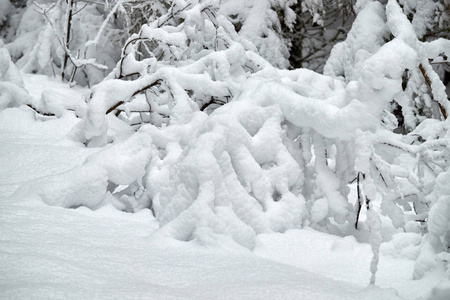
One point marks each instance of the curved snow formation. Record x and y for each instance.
(239, 171)
(279, 155)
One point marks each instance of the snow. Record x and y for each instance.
(11, 84)
(364, 39)
(343, 258)
(199, 169)
(8, 70)
(54, 252)
(5, 8)
(261, 26)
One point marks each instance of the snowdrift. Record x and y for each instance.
(283, 146)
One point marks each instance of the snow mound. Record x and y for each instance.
(11, 83)
(224, 146)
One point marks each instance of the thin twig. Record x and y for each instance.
(358, 190)
(428, 81)
(40, 112)
(115, 106)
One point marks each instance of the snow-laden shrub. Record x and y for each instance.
(436, 243)
(52, 38)
(6, 8)
(430, 19)
(283, 146)
(79, 41)
(12, 92)
(407, 174)
(318, 26)
(10, 14)
(266, 23)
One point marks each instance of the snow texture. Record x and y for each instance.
(47, 251)
(210, 133)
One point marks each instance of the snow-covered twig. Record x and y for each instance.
(77, 63)
(105, 22)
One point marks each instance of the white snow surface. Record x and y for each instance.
(49, 252)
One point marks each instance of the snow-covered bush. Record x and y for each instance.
(12, 92)
(53, 39)
(10, 14)
(406, 174)
(197, 125)
(318, 26)
(5, 9)
(266, 23)
(430, 19)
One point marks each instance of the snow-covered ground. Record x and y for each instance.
(50, 252)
